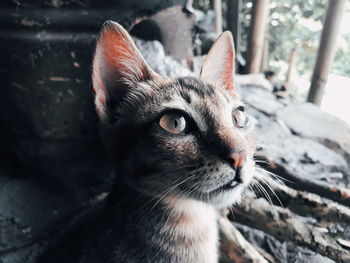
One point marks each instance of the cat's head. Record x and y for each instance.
(184, 137)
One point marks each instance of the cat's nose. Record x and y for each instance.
(237, 158)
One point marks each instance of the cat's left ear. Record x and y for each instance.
(118, 67)
(219, 65)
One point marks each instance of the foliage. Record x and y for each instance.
(293, 24)
(341, 64)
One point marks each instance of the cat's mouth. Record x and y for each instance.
(226, 187)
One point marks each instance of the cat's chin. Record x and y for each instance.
(226, 198)
(231, 193)
(222, 197)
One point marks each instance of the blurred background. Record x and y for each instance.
(293, 31)
(292, 71)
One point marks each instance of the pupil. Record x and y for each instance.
(175, 123)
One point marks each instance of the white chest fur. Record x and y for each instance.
(192, 225)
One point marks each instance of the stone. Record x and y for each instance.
(304, 158)
(166, 66)
(304, 255)
(26, 254)
(308, 120)
(256, 79)
(282, 252)
(29, 211)
(261, 99)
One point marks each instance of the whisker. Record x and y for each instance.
(278, 177)
(171, 188)
(252, 190)
(266, 194)
(175, 181)
(272, 190)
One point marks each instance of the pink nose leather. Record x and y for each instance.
(238, 158)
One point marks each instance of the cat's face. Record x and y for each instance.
(185, 137)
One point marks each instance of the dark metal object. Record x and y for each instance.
(46, 108)
(326, 51)
(176, 32)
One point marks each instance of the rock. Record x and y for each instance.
(340, 230)
(30, 212)
(304, 255)
(282, 252)
(302, 157)
(27, 255)
(308, 120)
(265, 241)
(261, 99)
(256, 79)
(154, 54)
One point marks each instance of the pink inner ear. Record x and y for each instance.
(117, 66)
(98, 85)
(229, 72)
(219, 65)
(121, 60)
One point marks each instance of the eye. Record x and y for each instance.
(240, 119)
(174, 123)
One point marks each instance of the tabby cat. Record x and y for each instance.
(182, 148)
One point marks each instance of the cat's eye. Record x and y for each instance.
(174, 123)
(240, 119)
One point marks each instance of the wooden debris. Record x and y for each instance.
(307, 204)
(284, 224)
(344, 243)
(340, 195)
(234, 247)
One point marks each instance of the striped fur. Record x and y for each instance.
(168, 187)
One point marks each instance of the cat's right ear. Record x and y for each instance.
(117, 67)
(219, 65)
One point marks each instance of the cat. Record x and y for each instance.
(182, 149)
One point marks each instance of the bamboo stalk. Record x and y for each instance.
(256, 36)
(326, 51)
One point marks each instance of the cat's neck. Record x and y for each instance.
(193, 225)
(177, 212)
(187, 215)
(182, 225)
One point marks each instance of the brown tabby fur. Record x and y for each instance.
(169, 186)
